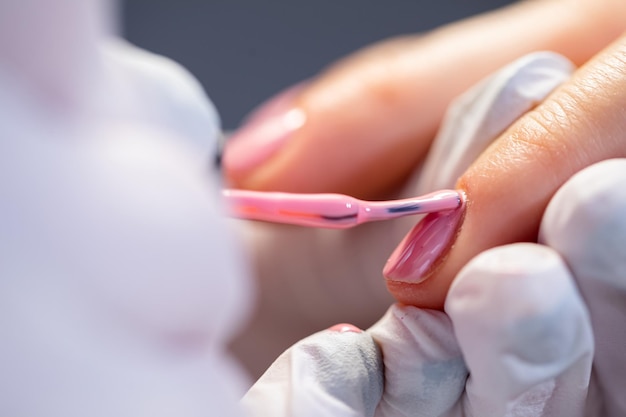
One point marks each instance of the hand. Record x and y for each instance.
(326, 264)
(369, 120)
(524, 333)
(515, 338)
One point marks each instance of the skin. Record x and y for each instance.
(510, 185)
(362, 109)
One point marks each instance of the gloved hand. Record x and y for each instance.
(515, 338)
(337, 270)
(585, 224)
(516, 341)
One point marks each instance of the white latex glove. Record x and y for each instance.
(339, 372)
(524, 333)
(423, 368)
(516, 341)
(310, 279)
(515, 338)
(585, 223)
(113, 250)
(544, 366)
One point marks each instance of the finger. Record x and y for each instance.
(585, 223)
(510, 185)
(473, 122)
(337, 372)
(524, 332)
(480, 115)
(424, 370)
(380, 108)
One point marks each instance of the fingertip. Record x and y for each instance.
(585, 222)
(523, 328)
(420, 352)
(428, 294)
(413, 272)
(496, 279)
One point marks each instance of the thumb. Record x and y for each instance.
(336, 372)
(509, 186)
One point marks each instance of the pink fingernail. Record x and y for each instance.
(265, 131)
(424, 247)
(345, 328)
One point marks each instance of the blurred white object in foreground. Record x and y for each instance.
(119, 286)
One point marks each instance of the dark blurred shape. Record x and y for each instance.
(243, 51)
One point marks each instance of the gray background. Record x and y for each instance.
(243, 51)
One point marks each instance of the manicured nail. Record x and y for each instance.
(264, 132)
(345, 328)
(424, 247)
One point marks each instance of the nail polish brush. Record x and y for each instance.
(334, 211)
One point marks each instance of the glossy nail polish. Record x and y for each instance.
(264, 132)
(424, 247)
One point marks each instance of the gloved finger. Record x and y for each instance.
(424, 370)
(524, 332)
(336, 372)
(480, 115)
(509, 186)
(380, 108)
(585, 222)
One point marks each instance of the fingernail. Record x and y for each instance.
(264, 132)
(345, 328)
(424, 247)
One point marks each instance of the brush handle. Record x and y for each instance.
(334, 211)
(313, 210)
